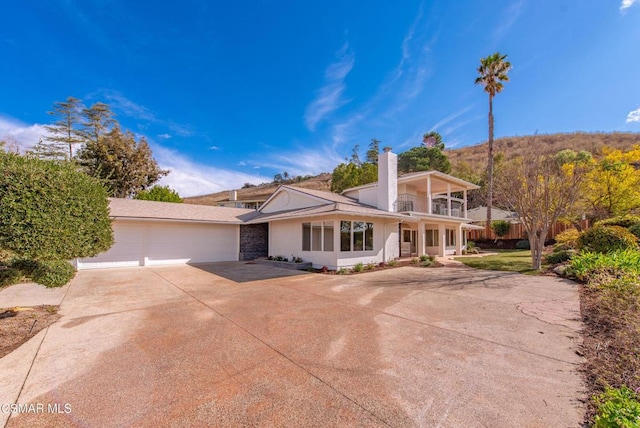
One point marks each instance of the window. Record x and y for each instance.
(432, 238)
(356, 236)
(451, 237)
(328, 236)
(317, 236)
(345, 236)
(368, 237)
(306, 236)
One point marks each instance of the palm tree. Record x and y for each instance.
(492, 72)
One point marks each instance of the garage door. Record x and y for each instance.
(145, 244)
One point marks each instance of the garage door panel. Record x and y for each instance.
(126, 251)
(145, 243)
(191, 244)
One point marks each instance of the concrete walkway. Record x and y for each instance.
(182, 346)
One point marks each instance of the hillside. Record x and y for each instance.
(263, 191)
(476, 156)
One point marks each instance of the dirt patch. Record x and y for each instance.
(17, 325)
(611, 341)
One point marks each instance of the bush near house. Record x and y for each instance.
(604, 239)
(523, 244)
(625, 221)
(50, 213)
(568, 238)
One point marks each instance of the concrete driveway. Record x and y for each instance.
(182, 346)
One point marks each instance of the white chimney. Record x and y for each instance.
(233, 195)
(387, 180)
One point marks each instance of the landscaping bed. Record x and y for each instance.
(17, 325)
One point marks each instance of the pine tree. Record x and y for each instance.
(63, 134)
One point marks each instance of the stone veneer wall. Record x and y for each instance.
(254, 241)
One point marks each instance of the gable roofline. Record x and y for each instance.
(318, 195)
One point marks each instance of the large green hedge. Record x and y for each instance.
(51, 211)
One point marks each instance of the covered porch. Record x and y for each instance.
(435, 238)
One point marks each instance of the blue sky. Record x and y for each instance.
(234, 92)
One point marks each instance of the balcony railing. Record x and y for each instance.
(407, 202)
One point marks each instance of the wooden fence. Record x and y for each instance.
(517, 231)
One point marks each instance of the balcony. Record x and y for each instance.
(439, 205)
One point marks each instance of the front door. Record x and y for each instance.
(408, 243)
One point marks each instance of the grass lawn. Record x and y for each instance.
(507, 260)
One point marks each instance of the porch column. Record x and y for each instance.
(464, 204)
(421, 238)
(429, 211)
(442, 242)
(449, 199)
(459, 240)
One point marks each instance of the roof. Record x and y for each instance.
(138, 209)
(480, 214)
(321, 195)
(327, 209)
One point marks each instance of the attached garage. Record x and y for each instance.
(156, 233)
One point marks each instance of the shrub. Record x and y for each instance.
(604, 239)
(523, 244)
(559, 256)
(587, 265)
(358, 267)
(415, 261)
(625, 221)
(500, 227)
(568, 238)
(617, 407)
(9, 275)
(426, 263)
(51, 210)
(341, 271)
(471, 245)
(53, 273)
(370, 266)
(635, 229)
(392, 263)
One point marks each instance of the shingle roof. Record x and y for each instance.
(137, 209)
(332, 208)
(328, 196)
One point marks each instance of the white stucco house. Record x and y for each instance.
(406, 216)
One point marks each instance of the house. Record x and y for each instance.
(233, 201)
(406, 216)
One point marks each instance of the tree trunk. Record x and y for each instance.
(490, 170)
(536, 242)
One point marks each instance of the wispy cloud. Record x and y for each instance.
(396, 93)
(626, 4)
(304, 161)
(127, 107)
(509, 18)
(633, 116)
(124, 106)
(330, 96)
(214, 148)
(164, 136)
(24, 135)
(190, 178)
(437, 127)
